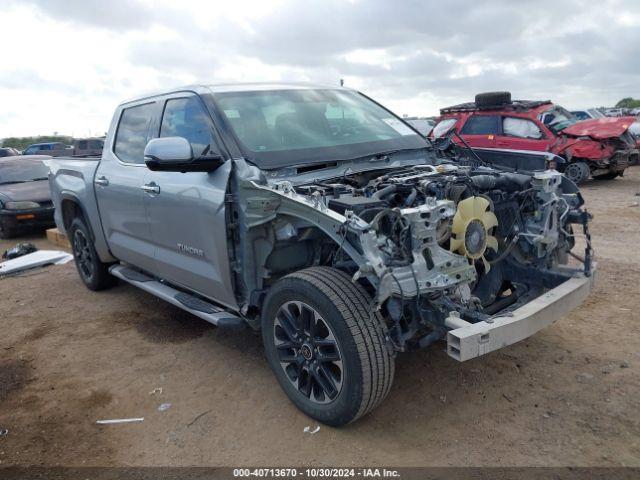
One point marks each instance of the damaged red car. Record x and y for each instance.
(599, 148)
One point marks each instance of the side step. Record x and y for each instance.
(192, 304)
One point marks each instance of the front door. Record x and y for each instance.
(521, 134)
(186, 211)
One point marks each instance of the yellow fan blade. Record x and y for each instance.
(459, 224)
(490, 220)
(465, 208)
(480, 205)
(492, 243)
(455, 244)
(487, 267)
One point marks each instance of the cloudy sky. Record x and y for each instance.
(67, 63)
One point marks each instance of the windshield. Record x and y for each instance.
(558, 118)
(17, 171)
(278, 128)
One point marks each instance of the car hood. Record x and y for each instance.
(26, 192)
(600, 128)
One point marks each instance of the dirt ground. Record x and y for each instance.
(569, 395)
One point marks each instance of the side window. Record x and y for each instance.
(482, 125)
(95, 144)
(185, 117)
(520, 127)
(83, 144)
(131, 137)
(581, 115)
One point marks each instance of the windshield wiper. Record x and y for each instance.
(13, 181)
(38, 179)
(385, 154)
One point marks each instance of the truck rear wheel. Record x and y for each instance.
(94, 273)
(325, 346)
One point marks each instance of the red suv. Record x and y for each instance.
(601, 148)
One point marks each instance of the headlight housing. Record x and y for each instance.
(20, 205)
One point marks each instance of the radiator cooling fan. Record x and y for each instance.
(470, 229)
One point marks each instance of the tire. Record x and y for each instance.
(492, 99)
(7, 232)
(577, 172)
(93, 273)
(344, 329)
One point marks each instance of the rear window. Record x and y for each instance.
(133, 130)
(482, 125)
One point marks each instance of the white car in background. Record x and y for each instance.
(422, 125)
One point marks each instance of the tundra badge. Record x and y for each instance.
(190, 250)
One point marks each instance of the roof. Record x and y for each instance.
(515, 105)
(238, 87)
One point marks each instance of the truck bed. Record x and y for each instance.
(71, 181)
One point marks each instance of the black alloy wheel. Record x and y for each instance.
(308, 352)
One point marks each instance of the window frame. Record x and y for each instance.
(215, 144)
(115, 135)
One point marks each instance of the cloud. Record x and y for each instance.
(410, 55)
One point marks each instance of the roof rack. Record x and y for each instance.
(515, 105)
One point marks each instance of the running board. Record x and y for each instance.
(190, 303)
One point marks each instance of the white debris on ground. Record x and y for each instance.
(34, 260)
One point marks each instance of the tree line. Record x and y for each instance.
(21, 143)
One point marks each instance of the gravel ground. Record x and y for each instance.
(68, 357)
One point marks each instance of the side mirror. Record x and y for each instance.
(174, 154)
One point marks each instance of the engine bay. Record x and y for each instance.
(450, 238)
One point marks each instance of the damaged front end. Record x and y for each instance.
(439, 248)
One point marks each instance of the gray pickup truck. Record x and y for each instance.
(318, 217)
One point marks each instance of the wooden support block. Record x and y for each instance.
(58, 238)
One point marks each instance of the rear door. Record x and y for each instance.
(118, 186)
(521, 134)
(480, 130)
(186, 211)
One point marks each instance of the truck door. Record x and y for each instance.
(118, 182)
(521, 134)
(481, 130)
(186, 211)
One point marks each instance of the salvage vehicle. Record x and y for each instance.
(25, 196)
(601, 148)
(319, 218)
(8, 152)
(587, 114)
(422, 125)
(88, 146)
(51, 149)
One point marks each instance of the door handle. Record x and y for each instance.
(102, 181)
(151, 188)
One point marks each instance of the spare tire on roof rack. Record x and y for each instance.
(493, 99)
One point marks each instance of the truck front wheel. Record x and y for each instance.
(94, 273)
(325, 345)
